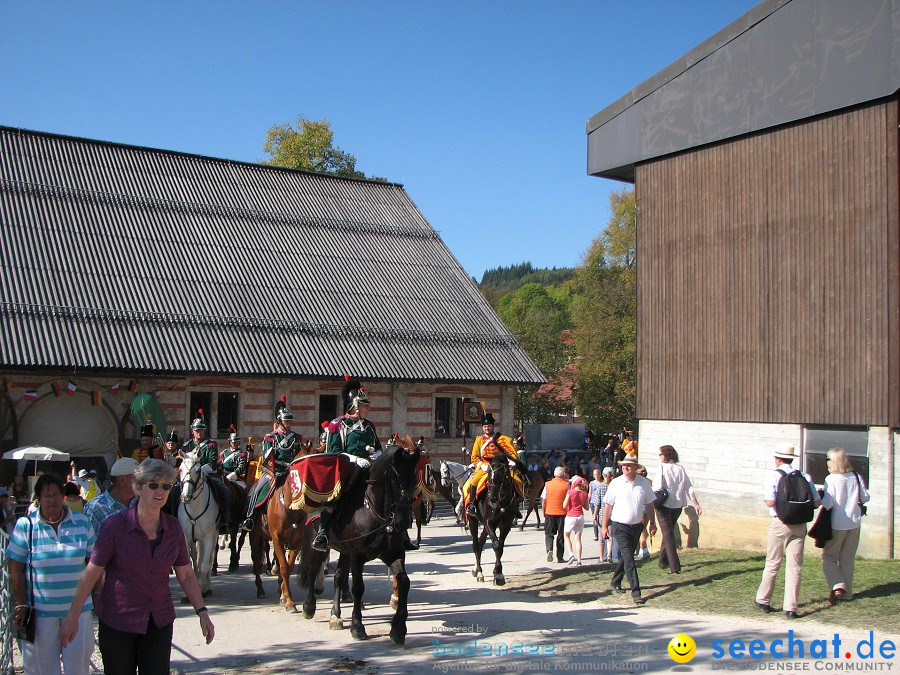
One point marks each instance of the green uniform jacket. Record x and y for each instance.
(207, 452)
(281, 447)
(234, 460)
(351, 436)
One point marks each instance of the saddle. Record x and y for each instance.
(314, 481)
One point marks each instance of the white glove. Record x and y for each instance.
(359, 461)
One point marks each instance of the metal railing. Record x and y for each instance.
(6, 606)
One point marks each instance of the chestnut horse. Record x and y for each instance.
(366, 524)
(533, 490)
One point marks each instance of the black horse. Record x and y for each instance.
(495, 512)
(368, 524)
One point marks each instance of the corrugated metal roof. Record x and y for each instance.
(126, 258)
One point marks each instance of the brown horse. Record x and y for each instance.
(533, 496)
(260, 534)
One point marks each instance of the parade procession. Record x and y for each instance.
(588, 360)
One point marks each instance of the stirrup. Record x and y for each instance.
(320, 543)
(247, 525)
(472, 510)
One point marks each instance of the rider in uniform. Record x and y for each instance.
(144, 451)
(484, 449)
(355, 436)
(207, 453)
(278, 450)
(171, 451)
(234, 460)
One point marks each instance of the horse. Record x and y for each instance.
(496, 511)
(198, 514)
(234, 520)
(455, 474)
(368, 524)
(260, 535)
(535, 486)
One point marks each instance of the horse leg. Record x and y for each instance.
(234, 561)
(499, 579)
(206, 556)
(340, 582)
(401, 591)
(256, 555)
(357, 630)
(477, 545)
(527, 513)
(311, 564)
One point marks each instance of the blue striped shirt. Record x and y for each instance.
(59, 558)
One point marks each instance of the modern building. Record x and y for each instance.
(223, 285)
(765, 166)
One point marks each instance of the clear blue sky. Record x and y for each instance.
(478, 108)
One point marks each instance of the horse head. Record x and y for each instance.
(393, 474)
(190, 475)
(503, 490)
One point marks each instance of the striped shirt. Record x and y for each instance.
(102, 507)
(58, 559)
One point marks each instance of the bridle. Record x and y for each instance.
(197, 486)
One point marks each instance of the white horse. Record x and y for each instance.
(198, 514)
(459, 474)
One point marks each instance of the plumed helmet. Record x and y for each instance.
(487, 419)
(147, 428)
(199, 423)
(173, 436)
(353, 394)
(233, 436)
(282, 412)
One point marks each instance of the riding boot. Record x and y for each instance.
(471, 511)
(408, 545)
(320, 543)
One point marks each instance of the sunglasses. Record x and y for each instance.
(156, 486)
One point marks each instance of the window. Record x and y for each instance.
(448, 417)
(328, 407)
(818, 440)
(225, 413)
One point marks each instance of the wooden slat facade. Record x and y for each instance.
(768, 266)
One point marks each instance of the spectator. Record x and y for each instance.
(595, 497)
(624, 517)
(20, 495)
(784, 540)
(554, 513)
(845, 493)
(136, 613)
(574, 504)
(609, 551)
(674, 478)
(7, 511)
(52, 543)
(74, 500)
(117, 498)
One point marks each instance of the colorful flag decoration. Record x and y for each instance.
(57, 389)
(96, 398)
(132, 386)
(115, 388)
(31, 395)
(71, 388)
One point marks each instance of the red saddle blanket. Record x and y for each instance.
(426, 484)
(315, 480)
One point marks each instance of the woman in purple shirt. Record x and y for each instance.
(136, 549)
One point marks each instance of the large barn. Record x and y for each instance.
(765, 166)
(205, 283)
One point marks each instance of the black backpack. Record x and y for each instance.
(793, 499)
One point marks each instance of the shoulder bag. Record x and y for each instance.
(663, 493)
(862, 507)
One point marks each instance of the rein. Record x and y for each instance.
(386, 522)
(197, 485)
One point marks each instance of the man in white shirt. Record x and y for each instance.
(784, 541)
(624, 518)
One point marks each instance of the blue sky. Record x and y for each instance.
(478, 108)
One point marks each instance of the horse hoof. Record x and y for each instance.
(214, 573)
(308, 615)
(260, 595)
(480, 577)
(399, 638)
(499, 580)
(359, 633)
(336, 623)
(290, 609)
(475, 573)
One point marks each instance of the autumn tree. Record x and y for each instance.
(604, 312)
(309, 147)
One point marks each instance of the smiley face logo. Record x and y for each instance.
(682, 648)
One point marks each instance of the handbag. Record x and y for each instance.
(27, 630)
(663, 493)
(862, 507)
(821, 529)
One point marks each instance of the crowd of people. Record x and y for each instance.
(73, 541)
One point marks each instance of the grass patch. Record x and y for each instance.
(721, 581)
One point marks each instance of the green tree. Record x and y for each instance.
(309, 147)
(540, 319)
(605, 317)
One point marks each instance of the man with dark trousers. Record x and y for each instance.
(554, 513)
(624, 519)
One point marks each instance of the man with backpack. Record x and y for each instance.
(792, 498)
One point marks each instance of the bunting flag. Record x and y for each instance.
(31, 395)
(96, 398)
(132, 386)
(57, 389)
(71, 388)
(115, 388)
